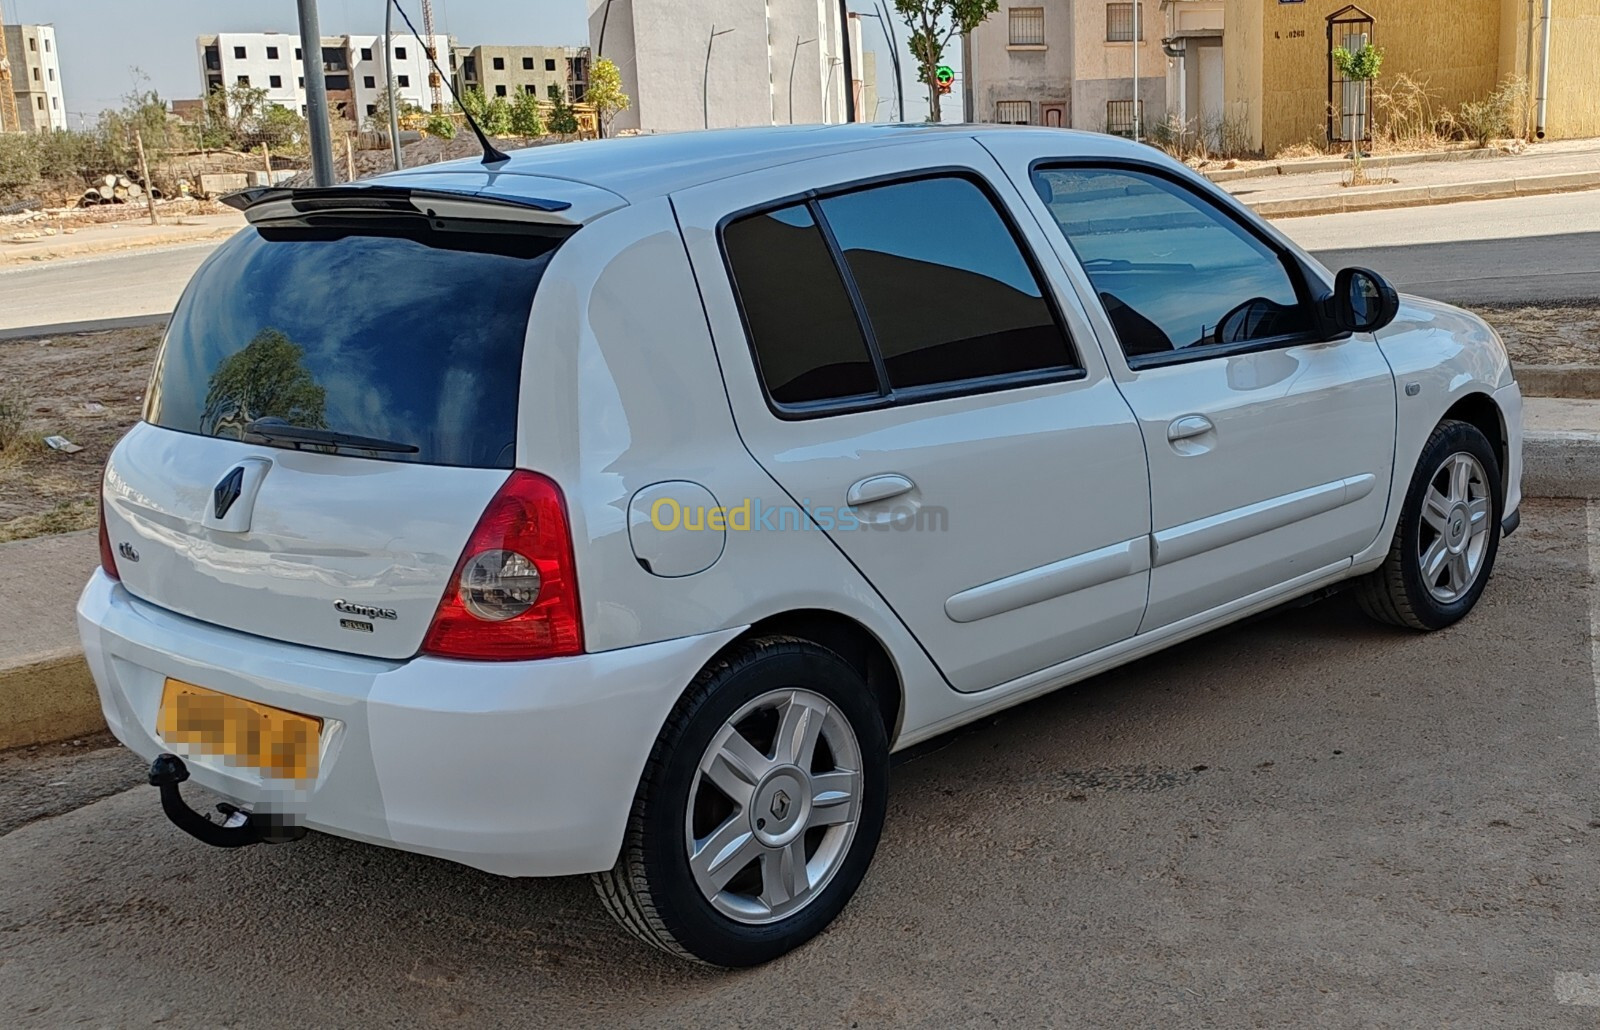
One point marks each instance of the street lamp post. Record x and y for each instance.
(705, 79)
(793, 59)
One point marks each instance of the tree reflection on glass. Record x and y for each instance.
(267, 379)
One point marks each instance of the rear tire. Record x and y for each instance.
(759, 809)
(1449, 533)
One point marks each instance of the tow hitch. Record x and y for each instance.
(238, 827)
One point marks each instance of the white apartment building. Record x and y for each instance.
(35, 79)
(353, 69)
(690, 64)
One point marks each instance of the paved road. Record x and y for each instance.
(117, 286)
(1307, 820)
(1533, 249)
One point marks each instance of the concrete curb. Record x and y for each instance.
(97, 325)
(50, 697)
(1314, 166)
(1421, 196)
(1579, 382)
(1561, 464)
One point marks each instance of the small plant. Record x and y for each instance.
(13, 416)
(440, 124)
(563, 119)
(1361, 66)
(526, 117)
(1484, 121)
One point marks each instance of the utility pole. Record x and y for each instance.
(316, 94)
(1136, 105)
(388, 74)
(849, 66)
(793, 59)
(705, 79)
(144, 170)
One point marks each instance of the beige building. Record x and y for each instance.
(1069, 63)
(35, 79)
(505, 71)
(1281, 89)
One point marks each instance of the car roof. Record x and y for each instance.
(642, 166)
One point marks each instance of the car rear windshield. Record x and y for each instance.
(408, 335)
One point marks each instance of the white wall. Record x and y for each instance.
(290, 93)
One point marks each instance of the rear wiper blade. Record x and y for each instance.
(274, 430)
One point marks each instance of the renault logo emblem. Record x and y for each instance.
(227, 491)
(780, 805)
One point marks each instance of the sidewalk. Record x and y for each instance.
(46, 693)
(1279, 192)
(91, 240)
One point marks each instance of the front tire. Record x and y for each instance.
(1449, 533)
(759, 809)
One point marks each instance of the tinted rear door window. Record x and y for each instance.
(413, 336)
(807, 341)
(946, 287)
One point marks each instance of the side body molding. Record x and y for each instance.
(1080, 572)
(1229, 527)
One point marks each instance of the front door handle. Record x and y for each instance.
(878, 488)
(1188, 427)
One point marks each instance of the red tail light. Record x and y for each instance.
(108, 559)
(514, 593)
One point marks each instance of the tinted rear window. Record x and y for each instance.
(413, 336)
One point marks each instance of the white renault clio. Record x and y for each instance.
(619, 508)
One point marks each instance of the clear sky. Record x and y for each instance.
(102, 42)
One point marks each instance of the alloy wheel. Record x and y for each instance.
(773, 806)
(1454, 534)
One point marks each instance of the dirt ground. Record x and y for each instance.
(47, 491)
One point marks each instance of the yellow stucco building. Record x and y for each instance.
(1277, 84)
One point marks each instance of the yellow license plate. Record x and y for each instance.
(281, 744)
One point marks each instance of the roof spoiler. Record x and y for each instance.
(279, 205)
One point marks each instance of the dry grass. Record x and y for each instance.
(1306, 148)
(1564, 335)
(13, 416)
(47, 491)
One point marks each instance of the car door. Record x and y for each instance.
(1270, 438)
(913, 377)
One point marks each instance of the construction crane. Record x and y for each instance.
(9, 121)
(434, 85)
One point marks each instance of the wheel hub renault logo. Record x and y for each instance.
(780, 805)
(227, 492)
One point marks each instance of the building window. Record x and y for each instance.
(55, 102)
(403, 80)
(370, 82)
(499, 64)
(530, 89)
(549, 64)
(1119, 23)
(238, 52)
(1014, 112)
(372, 110)
(298, 56)
(276, 81)
(40, 101)
(47, 46)
(366, 53)
(301, 81)
(50, 73)
(527, 64)
(272, 53)
(1119, 116)
(500, 91)
(400, 53)
(338, 83)
(469, 67)
(33, 44)
(244, 80)
(1027, 26)
(36, 75)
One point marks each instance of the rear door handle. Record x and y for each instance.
(878, 488)
(1188, 427)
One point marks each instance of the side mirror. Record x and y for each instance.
(1363, 301)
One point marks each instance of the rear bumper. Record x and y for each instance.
(516, 768)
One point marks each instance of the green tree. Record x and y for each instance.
(526, 117)
(440, 124)
(563, 119)
(605, 92)
(933, 24)
(409, 114)
(1361, 67)
(492, 114)
(267, 379)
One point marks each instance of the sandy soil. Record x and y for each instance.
(47, 491)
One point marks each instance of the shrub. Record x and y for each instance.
(1494, 116)
(13, 415)
(526, 118)
(440, 124)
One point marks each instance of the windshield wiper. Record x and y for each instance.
(275, 430)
